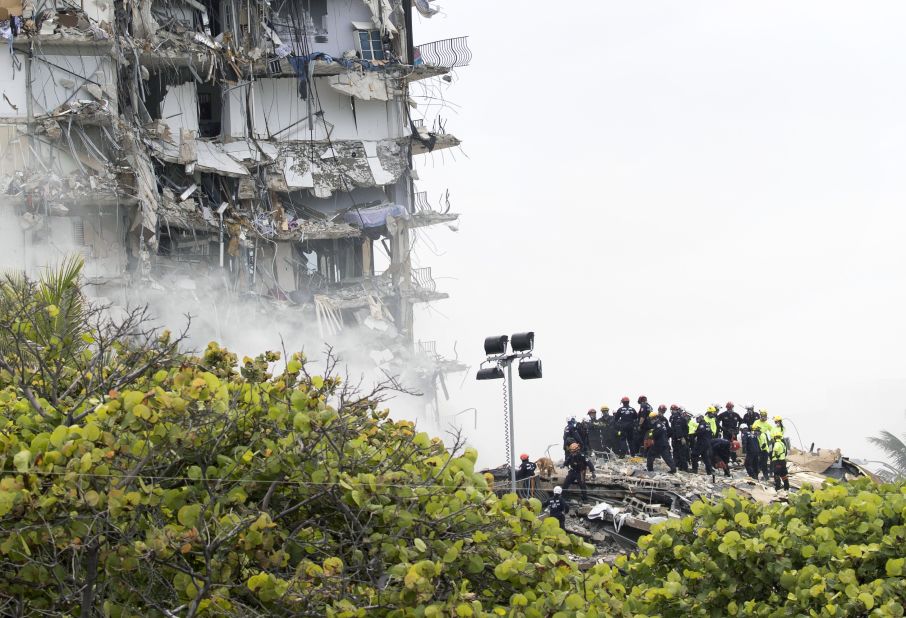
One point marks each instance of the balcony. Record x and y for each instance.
(424, 214)
(448, 53)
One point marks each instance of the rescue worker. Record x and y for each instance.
(729, 422)
(609, 432)
(577, 464)
(558, 507)
(524, 474)
(751, 449)
(679, 430)
(750, 416)
(626, 420)
(701, 447)
(658, 444)
(583, 429)
(720, 454)
(571, 435)
(778, 463)
(642, 427)
(711, 419)
(763, 438)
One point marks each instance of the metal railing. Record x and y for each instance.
(428, 348)
(448, 53)
(423, 279)
(421, 202)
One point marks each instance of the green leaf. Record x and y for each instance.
(188, 515)
(894, 567)
(22, 460)
(420, 545)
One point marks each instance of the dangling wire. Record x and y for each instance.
(506, 423)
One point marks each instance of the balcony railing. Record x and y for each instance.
(448, 53)
(423, 279)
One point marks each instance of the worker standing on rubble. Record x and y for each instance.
(577, 464)
(571, 435)
(729, 422)
(763, 438)
(641, 429)
(701, 447)
(751, 449)
(524, 474)
(711, 419)
(658, 444)
(558, 507)
(626, 420)
(763, 423)
(778, 463)
(584, 428)
(720, 454)
(608, 430)
(679, 431)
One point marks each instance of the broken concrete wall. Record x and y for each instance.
(342, 166)
(331, 25)
(281, 114)
(61, 79)
(179, 109)
(12, 88)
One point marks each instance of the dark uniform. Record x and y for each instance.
(750, 417)
(701, 447)
(720, 453)
(660, 445)
(558, 507)
(626, 420)
(750, 447)
(578, 464)
(679, 422)
(641, 430)
(764, 454)
(570, 435)
(729, 422)
(524, 474)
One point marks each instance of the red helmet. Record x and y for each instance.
(642, 398)
(624, 400)
(673, 407)
(523, 457)
(662, 408)
(729, 404)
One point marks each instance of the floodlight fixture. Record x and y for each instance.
(523, 342)
(495, 345)
(490, 373)
(530, 369)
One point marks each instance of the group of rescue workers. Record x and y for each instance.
(680, 439)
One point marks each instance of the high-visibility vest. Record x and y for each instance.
(693, 425)
(764, 441)
(777, 430)
(766, 428)
(712, 423)
(778, 453)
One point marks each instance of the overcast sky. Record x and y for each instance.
(699, 201)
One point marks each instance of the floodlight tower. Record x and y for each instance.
(497, 358)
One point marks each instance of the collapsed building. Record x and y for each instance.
(209, 151)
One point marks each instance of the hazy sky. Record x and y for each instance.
(699, 201)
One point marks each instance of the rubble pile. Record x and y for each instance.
(624, 500)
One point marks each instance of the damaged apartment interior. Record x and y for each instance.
(240, 159)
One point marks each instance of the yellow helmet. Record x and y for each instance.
(778, 419)
(712, 409)
(605, 409)
(763, 413)
(652, 414)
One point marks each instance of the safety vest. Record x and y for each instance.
(778, 453)
(693, 425)
(712, 423)
(766, 428)
(764, 441)
(777, 430)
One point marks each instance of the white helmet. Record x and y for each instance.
(743, 427)
(558, 490)
(750, 406)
